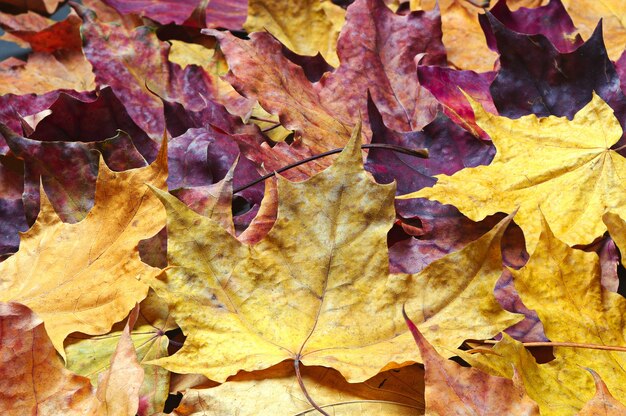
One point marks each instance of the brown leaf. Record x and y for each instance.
(33, 379)
(44, 72)
(452, 389)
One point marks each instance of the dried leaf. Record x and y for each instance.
(133, 62)
(573, 175)
(563, 285)
(276, 391)
(320, 275)
(44, 72)
(535, 78)
(304, 26)
(452, 389)
(84, 276)
(90, 356)
(34, 381)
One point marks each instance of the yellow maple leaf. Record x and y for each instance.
(304, 26)
(317, 288)
(84, 277)
(563, 286)
(564, 167)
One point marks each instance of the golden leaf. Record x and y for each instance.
(85, 277)
(317, 288)
(563, 286)
(304, 26)
(564, 167)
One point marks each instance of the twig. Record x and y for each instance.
(296, 365)
(421, 153)
(556, 344)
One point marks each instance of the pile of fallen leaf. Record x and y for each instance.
(451, 183)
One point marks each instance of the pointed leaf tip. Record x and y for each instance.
(351, 153)
(412, 327)
(161, 159)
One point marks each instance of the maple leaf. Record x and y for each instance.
(84, 277)
(60, 153)
(275, 390)
(561, 85)
(320, 277)
(304, 26)
(573, 175)
(33, 379)
(394, 42)
(323, 113)
(563, 286)
(451, 388)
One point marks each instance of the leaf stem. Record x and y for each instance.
(619, 148)
(421, 153)
(296, 365)
(558, 344)
(365, 401)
